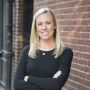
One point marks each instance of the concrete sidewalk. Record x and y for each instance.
(1, 88)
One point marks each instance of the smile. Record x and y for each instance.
(45, 33)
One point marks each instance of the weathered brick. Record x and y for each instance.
(74, 20)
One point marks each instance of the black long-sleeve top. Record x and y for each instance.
(42, 69)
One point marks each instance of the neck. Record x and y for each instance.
(47, 44)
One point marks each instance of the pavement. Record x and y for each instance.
(1, 88)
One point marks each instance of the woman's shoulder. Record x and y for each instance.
(26, 48)
(68, 50)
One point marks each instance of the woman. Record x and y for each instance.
(45, 63)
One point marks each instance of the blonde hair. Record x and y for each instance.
(34, 38)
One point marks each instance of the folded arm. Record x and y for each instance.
(19, 82)
(61, 76)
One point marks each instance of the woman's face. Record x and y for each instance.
(45, 26)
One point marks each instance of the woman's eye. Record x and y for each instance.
(39, 24)
(48, 23)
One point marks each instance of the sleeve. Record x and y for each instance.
(56, 83)
(19, 83)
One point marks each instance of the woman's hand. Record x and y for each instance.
(26, 78)
(56, 75)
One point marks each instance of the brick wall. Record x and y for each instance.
(17, 33)
(17, 29)
(74, 19)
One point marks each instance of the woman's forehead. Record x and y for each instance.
(44, 16)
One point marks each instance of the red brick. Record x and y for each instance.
(74, 78)
(89, 69)
(85, 82)
(81, 67)
(86, 2)
(86, 15)
(88, 62)
(73, 17)
(78, 73)
(88, 76)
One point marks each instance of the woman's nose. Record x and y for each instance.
(44, 27)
